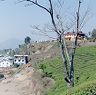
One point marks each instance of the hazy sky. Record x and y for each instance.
(16, 19)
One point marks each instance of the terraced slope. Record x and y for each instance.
(85, 73)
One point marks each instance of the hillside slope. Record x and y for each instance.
(45, 72)
(85, 71)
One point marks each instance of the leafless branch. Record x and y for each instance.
(83, 20)
(42, 31)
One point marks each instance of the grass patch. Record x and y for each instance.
(87, 88)
(85, 72)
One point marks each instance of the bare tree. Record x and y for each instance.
(59, 29)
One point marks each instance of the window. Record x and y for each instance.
(19, 60)
(22, 60)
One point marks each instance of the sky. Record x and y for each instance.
(16, 19)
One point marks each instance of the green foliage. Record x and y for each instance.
(93, 35)
(87, 88)
(42, 66)
(16, 65)
(85, 73)
(27, 40)
(55, 67)
(45, 73)
(11, 53)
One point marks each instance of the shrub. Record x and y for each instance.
(88, 88)
(16, 65)
(45, 73)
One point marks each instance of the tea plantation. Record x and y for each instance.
(84, 77)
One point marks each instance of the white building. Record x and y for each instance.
(70, 36)
(6, 62)
(20, 59)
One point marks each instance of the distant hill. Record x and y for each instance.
(11, 43)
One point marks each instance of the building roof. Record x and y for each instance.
(74, 33)
(70, 33)
(20, 55)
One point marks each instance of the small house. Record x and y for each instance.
(20, 59)
(72, 35)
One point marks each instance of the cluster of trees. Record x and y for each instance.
(93, 33)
